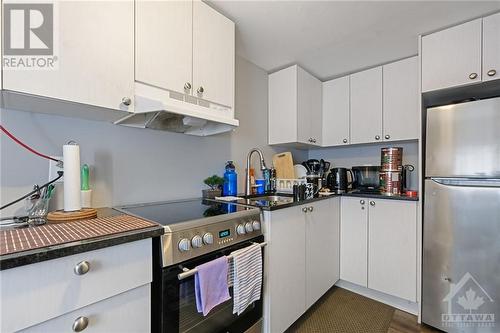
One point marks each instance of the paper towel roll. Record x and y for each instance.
(71, 159)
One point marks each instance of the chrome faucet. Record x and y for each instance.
(248, 189)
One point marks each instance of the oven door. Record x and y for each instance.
(178, 304)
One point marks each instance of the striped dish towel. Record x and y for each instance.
(247, 277)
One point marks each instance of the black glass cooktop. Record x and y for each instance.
(168, 213)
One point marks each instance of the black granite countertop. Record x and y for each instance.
(379, 196)
(52, 252)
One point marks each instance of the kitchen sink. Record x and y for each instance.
(271, 198)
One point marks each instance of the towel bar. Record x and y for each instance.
(186, 272)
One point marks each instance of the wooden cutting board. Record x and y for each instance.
(283, 163)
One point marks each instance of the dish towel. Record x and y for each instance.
(247, 277)
(210, 283)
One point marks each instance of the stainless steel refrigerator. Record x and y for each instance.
(461, 226)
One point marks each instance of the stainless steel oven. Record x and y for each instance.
(196, 232)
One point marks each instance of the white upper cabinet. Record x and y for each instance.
(213, 55)
(95, 57)
(392, 251)
(491, 47)
(335, 107)
(366, 106)
(401, 100)
(294, 107)
(452, 57)
(164, 44)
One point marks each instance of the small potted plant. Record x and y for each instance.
(214, 182)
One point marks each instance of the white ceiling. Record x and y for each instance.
(331, 38)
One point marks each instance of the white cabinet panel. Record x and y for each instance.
(213, 55)
(452, 57)
(322, 248)
(282, 112)
(309, 108)
(354, 241)
(96, 56)
(335, 112)
(401, 116)
(113, 270)
(491, 47)
(285, 262)
(127, 312)
(164, 48)
(366, 106)
(392, 248)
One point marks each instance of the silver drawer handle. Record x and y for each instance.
(362, 202)
(472, 76)
(82, 267)
(80, 324)
(310, 209)
(372, 203)
(491, 72)
(304, 209)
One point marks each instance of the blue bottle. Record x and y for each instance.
(230, 187)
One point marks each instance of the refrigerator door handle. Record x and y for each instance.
(472, 182)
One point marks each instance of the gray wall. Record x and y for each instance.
(368, 155)
(136, 165)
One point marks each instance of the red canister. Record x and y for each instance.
(390, 182)
(391, 159)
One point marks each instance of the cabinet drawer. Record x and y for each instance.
(127, 312)
(35, 293)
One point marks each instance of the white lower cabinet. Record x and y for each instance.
(378, 245)
(301, 260)
(126, 312)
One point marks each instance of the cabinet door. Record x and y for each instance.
(309, 108)
(213, 55)
(392, 252)
(366, 106)
(401, 100)
(322, 248)
(282, 106)
(452, 57)
(164, 43)
(354, 241)
(126, 312)
(285, 264)
(95, 56)
(491, 47)
(335, 112)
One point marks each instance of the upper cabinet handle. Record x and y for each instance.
(344, 141)
(82, 267)
(377, 137)
(492, 72)
(187, 86)
(80, 324)
(472, 76)
(200, 90)
(387, 136)
(126, 101)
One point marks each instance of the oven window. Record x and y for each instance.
(191, 321)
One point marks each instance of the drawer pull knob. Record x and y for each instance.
(492, 72)
(126, 101)
(310, 208)
(372, 203)
(362, 201)
(304, 209)
(80, 324)
(82, 268)
(472, 76)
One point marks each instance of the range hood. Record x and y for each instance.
(160, 109)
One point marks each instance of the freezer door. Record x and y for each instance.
(461, 255)
(463, 140)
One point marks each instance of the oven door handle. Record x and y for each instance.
(186, 272)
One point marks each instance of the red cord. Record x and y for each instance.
(26, 146)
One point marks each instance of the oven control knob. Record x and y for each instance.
(256, 225)
(208, 238)
(197, 241)
(248, 227)
(184, 245)
(240, 229)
